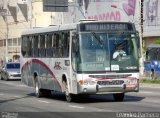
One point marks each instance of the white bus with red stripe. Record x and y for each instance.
(77, 59)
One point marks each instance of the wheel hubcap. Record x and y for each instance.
(37, 88)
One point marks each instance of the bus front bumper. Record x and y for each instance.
(98, 89)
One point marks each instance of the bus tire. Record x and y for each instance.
(6, 79)
(38, 91)
(69, 96)
(47, 93)
(118, 97)
(1, 78)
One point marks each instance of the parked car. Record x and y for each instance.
(10, 71)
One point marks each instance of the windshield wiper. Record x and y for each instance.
(97, 38)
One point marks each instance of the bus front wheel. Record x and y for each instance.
(118, 96)
(69, 96)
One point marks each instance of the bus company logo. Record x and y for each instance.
(57, 66)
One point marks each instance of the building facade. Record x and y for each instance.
(15, 17)
(151, 25)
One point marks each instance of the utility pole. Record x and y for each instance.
(141, 39)
(141, 34)
(142, 25)
(7, 31)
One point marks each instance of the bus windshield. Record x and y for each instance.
(107, 52)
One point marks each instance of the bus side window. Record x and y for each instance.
(24, 46)
(35, 46)
(49, 40)
(30, 46)
(56, 46)
(42, 50)
(65, 45)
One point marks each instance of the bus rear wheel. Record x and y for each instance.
(69, 96)
(118, 97)
(38, 91)
(41, 92)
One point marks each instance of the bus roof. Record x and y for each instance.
(70, 26)
(49, 29)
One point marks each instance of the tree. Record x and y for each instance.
(157, 41)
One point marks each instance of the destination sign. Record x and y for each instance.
(106, 27)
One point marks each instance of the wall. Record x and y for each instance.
(40, 18)
(28, 14)
(127, 10)
(151, 18)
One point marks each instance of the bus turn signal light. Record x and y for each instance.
(81, 82)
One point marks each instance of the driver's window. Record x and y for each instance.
(74, 54)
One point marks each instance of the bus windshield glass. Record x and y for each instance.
(107, 52)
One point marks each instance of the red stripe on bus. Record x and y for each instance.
(44, 65)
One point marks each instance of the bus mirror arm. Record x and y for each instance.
(139, 53)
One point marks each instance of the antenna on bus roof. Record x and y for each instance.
(52, 25)
(84, 20)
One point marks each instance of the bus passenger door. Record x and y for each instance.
(73, 62)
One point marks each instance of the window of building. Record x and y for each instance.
(9, 42)
(19, 41)
(4, 42)
(1, 43)
(15, 42)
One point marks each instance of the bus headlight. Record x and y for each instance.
(81, 82)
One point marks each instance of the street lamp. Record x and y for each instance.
(122, 11)
(115, 6)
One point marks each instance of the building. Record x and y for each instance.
(15, 17)
(151, 25)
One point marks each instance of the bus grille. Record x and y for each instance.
(113, 82)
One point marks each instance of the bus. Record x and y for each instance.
(77, 59)
(152, 63)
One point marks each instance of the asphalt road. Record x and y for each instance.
(18, 100)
